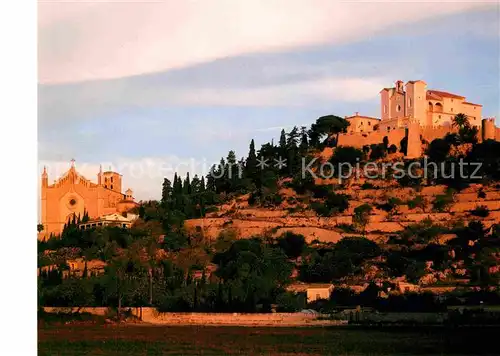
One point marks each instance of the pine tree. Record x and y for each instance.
(177, 185)
(202, 185)
(211, 184)
(282, 139)
(304, 141)
(166, 193)
(251, 163)
(186, 190)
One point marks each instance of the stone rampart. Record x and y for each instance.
(152, 316)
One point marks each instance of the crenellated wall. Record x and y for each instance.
(359, 140)
(415, 133)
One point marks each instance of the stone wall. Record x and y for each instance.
(152, 316)
(487, 130)
(359, 140)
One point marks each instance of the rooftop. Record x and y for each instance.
(431, 94)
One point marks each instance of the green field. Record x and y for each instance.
(196, 340)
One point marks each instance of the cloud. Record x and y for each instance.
(81, 41)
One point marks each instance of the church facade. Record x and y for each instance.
(73, 195)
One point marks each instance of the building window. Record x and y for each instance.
(439, 116)
(451, 109)
(398, 108)
(111, 186)
(111, 179)
(369, 123)
(409, 102)
(385, 109)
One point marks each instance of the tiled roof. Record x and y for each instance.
(444, 94)
(416, 81)
(364, 117)
(467, 103)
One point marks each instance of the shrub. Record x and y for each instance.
(337, 202)
(346, 154)
(320, 209)
(292, 244)
(417, 202)
(480, 211)
(289, 302)
(346, 227)
(438, 150)
(367, 185)
(404, 145)
(391, 204)
(377, 152)
(361, 215)
(321, 191)
(442, 202)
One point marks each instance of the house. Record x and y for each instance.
(124, 220)
(313, 291)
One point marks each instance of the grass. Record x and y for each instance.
(109, 340)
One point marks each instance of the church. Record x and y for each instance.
(73, 195)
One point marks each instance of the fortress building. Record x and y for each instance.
(73, 195)
(418, 114)
(428, 107)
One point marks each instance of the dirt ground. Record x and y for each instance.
(212, 340)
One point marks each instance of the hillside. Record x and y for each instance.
(244, 236)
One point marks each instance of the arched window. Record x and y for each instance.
(431, 107)
(438, 107)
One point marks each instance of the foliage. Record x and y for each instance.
(442, 202)
(292, 244)
(480, 211)
(361, 216)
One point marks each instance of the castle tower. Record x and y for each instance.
(112, 180)
(128, 194)
(416, 107)
(99, 175)
(45, 178)
(414, 148)
(489, 130)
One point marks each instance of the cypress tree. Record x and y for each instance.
(166, 193)
(202, 185)
(251, 163)
(186, 190)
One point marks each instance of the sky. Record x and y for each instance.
(148, 88)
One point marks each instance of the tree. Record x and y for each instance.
(438, 150)
(361, 216)
(304, 141)
(166, 193)
(39, 227)
(460, 121)
(292, 244)
(251, 273)
(327, 125)
(348, 154)
(251, 163)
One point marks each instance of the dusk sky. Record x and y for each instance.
(144, 86)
